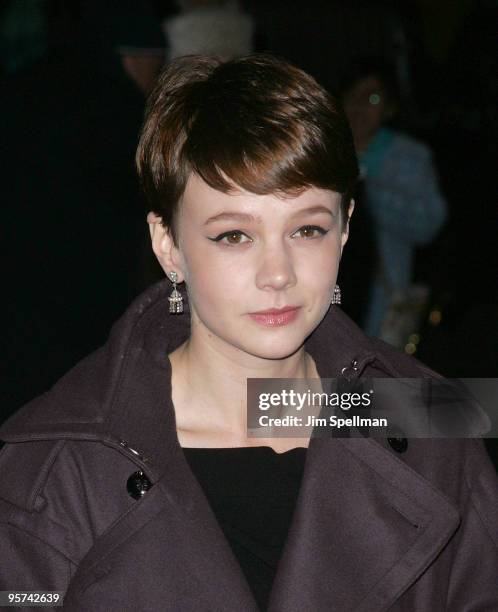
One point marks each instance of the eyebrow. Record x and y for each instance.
(237, 216)
(314, 210)
(232, 216)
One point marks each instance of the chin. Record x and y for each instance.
(274, 348)
(273, 353)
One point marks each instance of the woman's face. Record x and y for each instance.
(242, 254)
(366, 109)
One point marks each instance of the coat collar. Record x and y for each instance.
(366, 525)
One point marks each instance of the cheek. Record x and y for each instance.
(374, 115)
(217, 276)
(320, 266)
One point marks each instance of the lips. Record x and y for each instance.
(275, 317)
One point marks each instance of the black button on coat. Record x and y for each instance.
(398, 444)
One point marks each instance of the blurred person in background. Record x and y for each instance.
(209, 27)
(401, 194)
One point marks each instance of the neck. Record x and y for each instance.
(210, 381)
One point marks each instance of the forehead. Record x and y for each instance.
(201, 201)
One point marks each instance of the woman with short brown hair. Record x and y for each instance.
(137, 484)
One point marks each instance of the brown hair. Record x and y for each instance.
(257, 121)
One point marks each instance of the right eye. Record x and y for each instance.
(231, 238)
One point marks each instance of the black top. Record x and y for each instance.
(252, 491)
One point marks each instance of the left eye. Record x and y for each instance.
(311, 231)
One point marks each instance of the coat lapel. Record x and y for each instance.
(365, 527)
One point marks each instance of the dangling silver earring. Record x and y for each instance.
(336, 297)
(175, 298)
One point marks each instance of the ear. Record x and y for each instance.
(345, 233)
(167, 253)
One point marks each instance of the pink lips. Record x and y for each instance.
(275, 316)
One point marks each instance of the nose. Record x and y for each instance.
(275, 270)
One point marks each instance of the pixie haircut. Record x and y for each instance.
(257, 123)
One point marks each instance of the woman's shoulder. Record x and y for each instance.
(406, 146)
(57, 497)
(67, 455)
(338, 342)
(55, 441)
(63, 492)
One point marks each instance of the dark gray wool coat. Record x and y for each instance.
(373, 529)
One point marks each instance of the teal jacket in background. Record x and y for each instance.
(407, 208)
